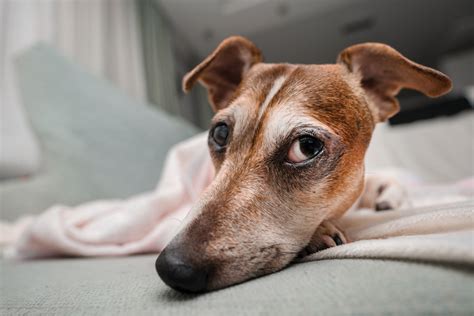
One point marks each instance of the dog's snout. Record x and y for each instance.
(179, 273)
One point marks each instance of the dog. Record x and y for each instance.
(288, 144)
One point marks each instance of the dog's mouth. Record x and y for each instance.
(306, 251)
(195, 276)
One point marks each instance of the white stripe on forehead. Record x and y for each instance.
(277, 84)
(240, 109)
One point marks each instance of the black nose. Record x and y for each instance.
(179, 274)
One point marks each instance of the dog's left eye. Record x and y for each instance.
(304, 148)
(220, 134)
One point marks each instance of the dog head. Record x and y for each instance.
(288, 144)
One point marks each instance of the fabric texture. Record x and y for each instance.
(130, 286)
(437, 233)
(96, 141)
(147, 223)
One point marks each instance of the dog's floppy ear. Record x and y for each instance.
(383, 72)
(222, 71)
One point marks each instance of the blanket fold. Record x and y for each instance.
(431, 230)
(442, 234)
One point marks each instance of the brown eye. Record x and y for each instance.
(220, 134)
(304, 148)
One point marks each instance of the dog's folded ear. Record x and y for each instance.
(383, 72)
(222, 71)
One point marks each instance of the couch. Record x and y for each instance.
(98, 143)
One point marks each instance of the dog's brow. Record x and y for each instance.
(281, 122)
(237, 113)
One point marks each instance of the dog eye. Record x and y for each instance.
(220, 133)
(304, 148)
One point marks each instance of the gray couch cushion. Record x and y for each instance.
(96, 142)
(130, 286)
(437, 150)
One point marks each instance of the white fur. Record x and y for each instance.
(282, 120)
(241, 115)
(277, 84)
(239, 111)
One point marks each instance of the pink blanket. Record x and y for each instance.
(146, 223)
(140, 224)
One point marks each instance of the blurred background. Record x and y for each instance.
(103, 77)
(145, 47)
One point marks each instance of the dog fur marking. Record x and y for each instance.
(277, 84)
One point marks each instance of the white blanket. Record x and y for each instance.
(441, 233)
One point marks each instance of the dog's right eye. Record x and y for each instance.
(304, 148)
(220, 134)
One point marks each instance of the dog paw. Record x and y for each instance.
(383, 193)
(327, 235)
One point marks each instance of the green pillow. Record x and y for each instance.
(96, 142)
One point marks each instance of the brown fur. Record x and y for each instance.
(261, 211)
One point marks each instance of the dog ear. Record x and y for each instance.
(222, 71)
(383, 72)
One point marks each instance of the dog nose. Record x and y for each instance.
(179, 274)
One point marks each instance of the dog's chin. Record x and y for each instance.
(228, 277)
(219, 284)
